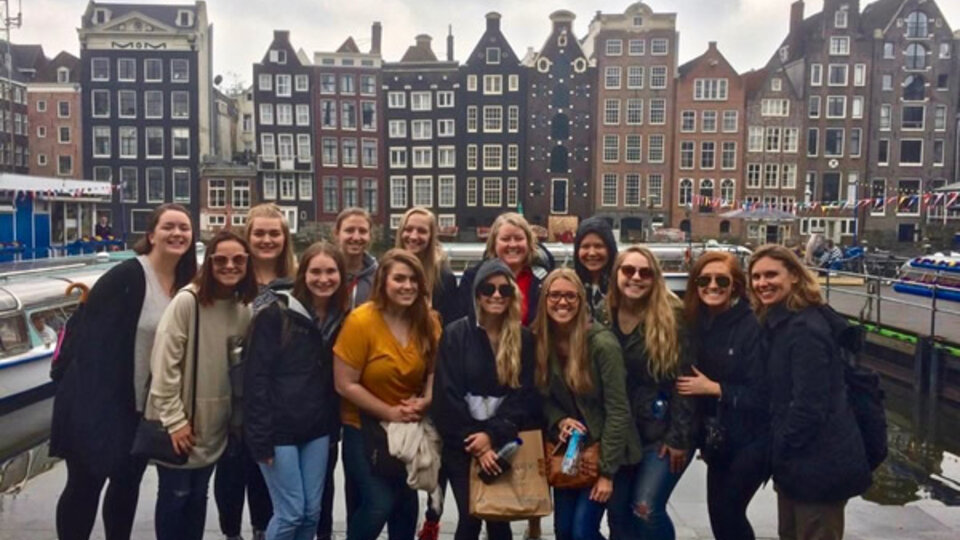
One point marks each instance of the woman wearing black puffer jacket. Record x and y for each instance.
(290, 406)
(818, 457)
(735, 437)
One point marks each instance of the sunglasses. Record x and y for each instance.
(628, 270)
(556, 296)
(487, 289)
(704, 281)
(238, 260)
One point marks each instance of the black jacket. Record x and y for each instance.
(288, 394)
(444, 298)
(94, 412)
(729, 352)
(818, 454)
(465, 291)
(678, 427)
(595, 295)
(466, 366)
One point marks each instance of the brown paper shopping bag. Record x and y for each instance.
(520, 493)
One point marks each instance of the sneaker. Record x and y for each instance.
(429, 531)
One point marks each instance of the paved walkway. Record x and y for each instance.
(30, 515)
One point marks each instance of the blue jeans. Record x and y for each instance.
(295, 480)
(380, 501)
(181, 510)
(638, 506)
(575, 516)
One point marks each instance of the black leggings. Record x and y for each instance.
(730, 489)
(238, 474)
(457, 465)
(77, 507)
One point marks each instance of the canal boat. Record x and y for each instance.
(931, 275)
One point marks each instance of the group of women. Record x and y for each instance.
(259, 367)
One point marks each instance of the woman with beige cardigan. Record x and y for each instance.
(190, 389)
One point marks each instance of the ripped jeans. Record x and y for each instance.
(638, 506)
(181, 510)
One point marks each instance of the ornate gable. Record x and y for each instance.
(135, 23)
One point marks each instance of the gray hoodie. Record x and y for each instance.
(361, 284)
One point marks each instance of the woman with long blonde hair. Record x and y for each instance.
(647, 319)
(581, 378)
(418, 233)
(483, 391)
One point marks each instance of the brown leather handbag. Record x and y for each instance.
(588, 466)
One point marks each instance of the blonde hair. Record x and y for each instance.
(576, 367)
(433, 257)
(659, 311)
(508, 351)
(423, 320)
(286, 265)
(515, 219)
(805, 293)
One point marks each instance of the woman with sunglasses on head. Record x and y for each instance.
(581, 378)
(103, 390)
(290, 405)
(594, 250)
(418, 234)
(728, 379)
(647, 319)
(818, 457)
(383, 367)
(190, 391)
(483, 391)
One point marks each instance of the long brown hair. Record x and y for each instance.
(186, 268)
(423, 320)
(508, 360)
(805, 293)
(338, 301)
(286, 266)
(432, 258)
(576, 367)
(660, 332)
(206, 283)
(691, 298)
(515, 219)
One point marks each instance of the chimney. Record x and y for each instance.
(450, 43)
(281, 35)
(375, 35)
(796, 16)
(493, 21)
(562, 20)
(711, 45)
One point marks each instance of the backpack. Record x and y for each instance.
(67, 337)
(862, 386)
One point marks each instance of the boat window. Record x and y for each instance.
(48, 322)
(13, 336)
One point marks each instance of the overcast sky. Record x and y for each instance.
(747, 31)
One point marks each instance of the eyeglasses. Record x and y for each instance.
(628, 270)
(487, 289)
(704, 281)
(556, 296)
(238, 260)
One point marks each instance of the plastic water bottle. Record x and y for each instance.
(504, 455)
(659, 406)
(569, 464)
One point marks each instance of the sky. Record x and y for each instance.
(747, 31)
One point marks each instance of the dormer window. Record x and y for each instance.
(100, 16)
(493, 55)
(185, 18)
(63, 75)
(840, 17)
(637, 20)
(278, 56)
(562, 39)
(784, 53)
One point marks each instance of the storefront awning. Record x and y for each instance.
(53, 186)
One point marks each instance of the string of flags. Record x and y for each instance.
(925, 200)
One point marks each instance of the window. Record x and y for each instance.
(41, 106)
(909, 201)
(180, 105)
(41, 131)
(446, 157)
(859, 74)
(127, 103)
(493, 55)
(471, 156)
(284, 114)
(472, 118)
(658, 77)
(839, 46)
(655, 190)
(153, 104)
(753, 175)
(181, 142)
(179, 70)
(217, 193)
(855, 135)
(634, 149)
(885, 112)
(64, 165)
(63, 135)
(636, 47)
(608, 190)
(611, 77)
(940, 118)
(445, 99)
(288, 187)
(631, 190)
(347, 85)
(687, 150)
(944, 50)
(634, 111)
(889, 50)
(397, 129)
(266, 113)
(611, 148)
(658, 47)
(471, 197)
(348, 115)
(128, 142)
(513, 119)
(886, 82)
(154, 142)
(813, 107)
(658, 111)
(837, 74)
(816, 74)
(398, 157)
(776, 84)
(943, 81)
(513, 185)
(833, 142)
(706, 195)
(368, 151)
(790, 139)
(916, 56)
(129, 184)
(492, 119)
(265, 82)
(635, 77)
(396, 100)
(492, 157)
(911, 152)
(771, 175)
(63, 109)
(422, 191)
(421, 101)
(155, 185)
(471, 83)
(422, 157)
(513, 157)
(813, 142)
(611, 112)
(710, 89)
(301, 83)
(492, 84)
(938, 152)
(788, 176)
(917, 24)
(914, 88)
(686, 192)
(730, 121)
(100, 69)
(101, 142)
(912, 117)
(840, 17)
(883, 152)
(878, 192)
(446, 127)
(856, 107)
(304, 147)
(836, 106)
(709, 124)
(446, 191)
(655, 149)
(728, 158)
(755, 139)
(614, 47)
(348, 153)
(269, 186)
(303, 115)
(513, 83)
(772, 143)
(268, 146)
(492, 191)
(283, 85)
(708, 151)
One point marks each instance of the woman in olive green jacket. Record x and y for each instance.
(581, 379)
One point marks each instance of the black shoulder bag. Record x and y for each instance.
(152, 440)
